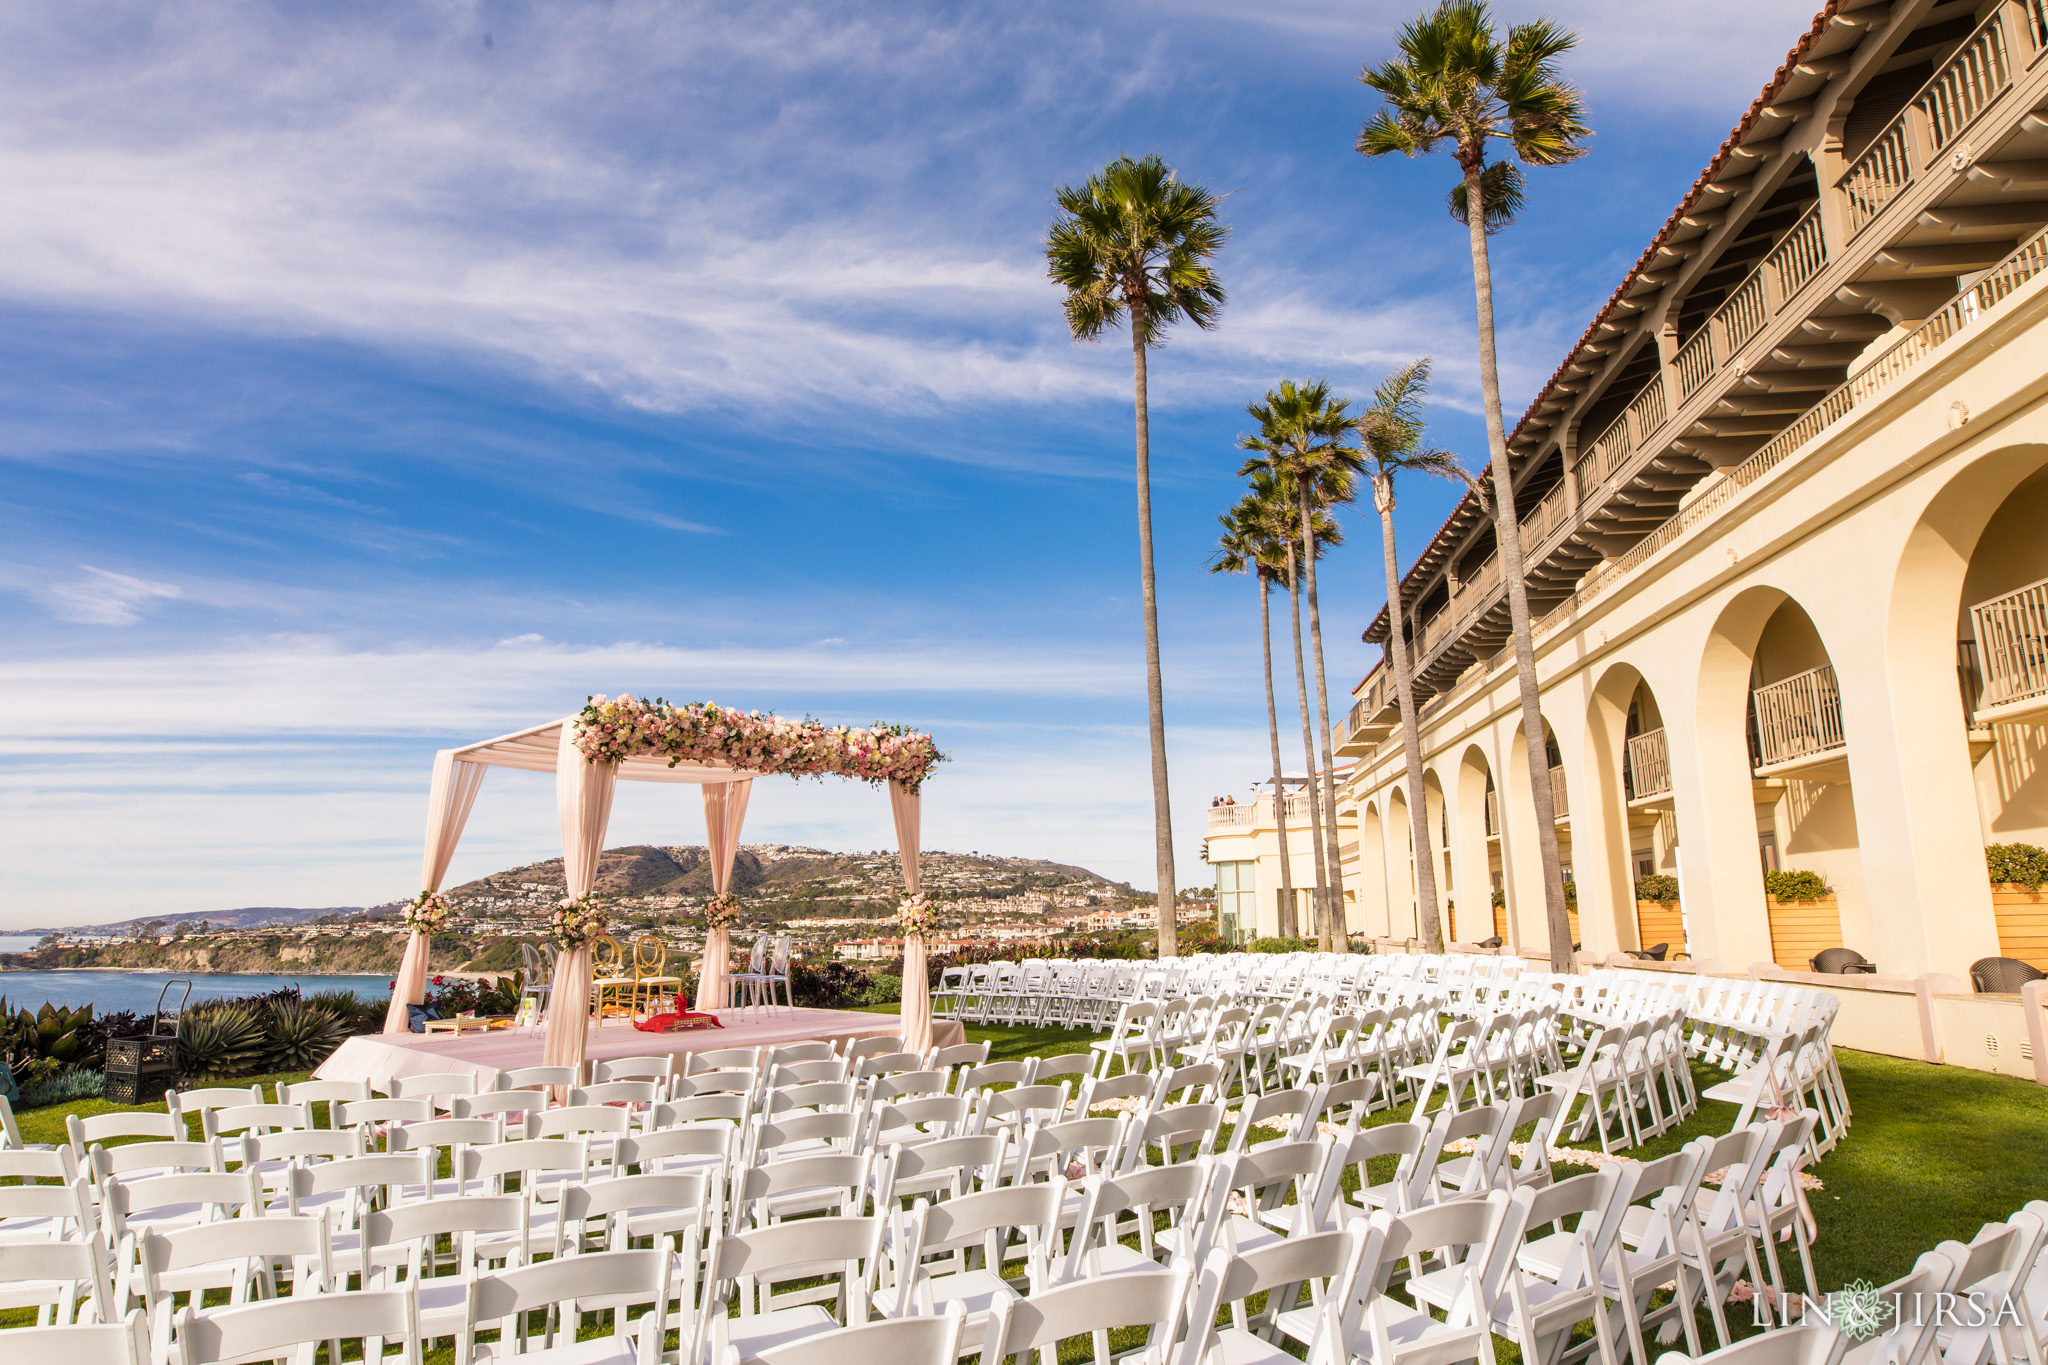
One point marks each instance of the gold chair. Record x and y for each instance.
(650, 985)
(608, 974)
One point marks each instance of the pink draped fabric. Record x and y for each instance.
(917, 997)
(448, 805)
(725, 811)
(583, 800)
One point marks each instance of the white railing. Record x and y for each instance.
(1649, 765)
(2012, 644)
(1224, 817)
(1964, 309)
(1559, 807)
(1799, 717)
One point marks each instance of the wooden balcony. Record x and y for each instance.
(1799, 728)
(2012, 654)
(1649, 772)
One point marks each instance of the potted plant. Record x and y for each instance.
(2018, 873)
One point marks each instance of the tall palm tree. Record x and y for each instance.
(1459, 82)
(1390, 431)
(1134, 242)
(1278, 494)
(1249, 545)
(1301, 439)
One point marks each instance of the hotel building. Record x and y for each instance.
(1785, 522)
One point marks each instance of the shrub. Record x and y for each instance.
(1655, 886)
(1796, 886)
(44, 1042)
(2019, 864)
(299, 1035)
(220, 1040)
(884, 989)
(834, 986)
(1280, 945)
(350, 1010)
(67, 1088)
(453, 995)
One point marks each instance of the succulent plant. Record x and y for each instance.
(218, 1042)
(298, 1035)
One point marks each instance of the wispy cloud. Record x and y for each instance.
(105, 598)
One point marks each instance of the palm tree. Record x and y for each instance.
(1390, 439)
(1134, 240)
(1278, 495)
(1458, 82)
(1301, 439)
(1249, 545)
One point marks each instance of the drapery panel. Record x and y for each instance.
(917, 995)
(448, 804)
(725, 812)
(583, 801)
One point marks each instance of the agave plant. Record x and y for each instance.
(298, 1035)
(223, 1041)
(45, 1041)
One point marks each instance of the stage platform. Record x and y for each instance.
(377, 1057)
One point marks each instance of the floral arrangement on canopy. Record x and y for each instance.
(720, 911)
(577, 923)
(427, 912)
(609, 730)
(917, 914)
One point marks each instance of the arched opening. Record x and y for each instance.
(1976, 564)
(1400, 868)
(1523, 886)
(1372, 862)
(1630, 771)
(1476, 856)
(1438, 822)
(1775, 768)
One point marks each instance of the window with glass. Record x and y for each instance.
(1236, 885)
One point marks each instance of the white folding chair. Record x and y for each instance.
(295, 1328)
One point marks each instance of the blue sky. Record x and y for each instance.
(381, 377)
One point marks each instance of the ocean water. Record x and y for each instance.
(110, 992)
(18, 943)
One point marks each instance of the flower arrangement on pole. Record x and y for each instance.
(721, 910)
(427, 912)
(609, 730)
(576, 922)
(917, 915)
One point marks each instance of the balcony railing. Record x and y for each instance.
(1223, 817)
(1799, 717)
(1622, 436)
(2012, 643)
(1862, 388)
(1758, 299)
(1977, 74)
(1559, 807)
(1649, 766)
(1493, 815)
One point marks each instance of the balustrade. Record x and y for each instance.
(1649, 765)
(1799, 717)
(2012, 644)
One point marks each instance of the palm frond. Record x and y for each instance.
(1134, 242)
(1500, 196)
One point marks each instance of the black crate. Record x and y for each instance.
(136, 1055)
(143, 1088)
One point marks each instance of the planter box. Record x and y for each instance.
(1660, 922)
(1801, 929)
(2022, 923)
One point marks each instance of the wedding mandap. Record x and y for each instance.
(719, 749)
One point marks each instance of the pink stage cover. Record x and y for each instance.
(377, 1057)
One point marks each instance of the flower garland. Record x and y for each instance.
(609, 730)
(917, 915)
(426, 912)
(720, 911)
(576, 922)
